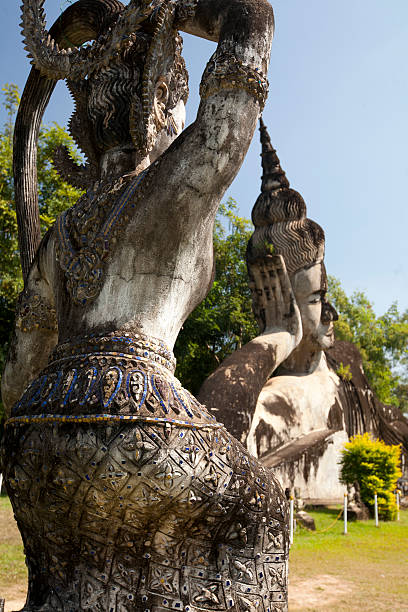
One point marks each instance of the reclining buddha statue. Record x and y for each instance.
(129, 495)
(281, 394)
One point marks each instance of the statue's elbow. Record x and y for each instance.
(264, 8)
(259, 17)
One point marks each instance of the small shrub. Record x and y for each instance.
(375, 466)
(344, 372)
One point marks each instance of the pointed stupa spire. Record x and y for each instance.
(279, 217)
(273, 177)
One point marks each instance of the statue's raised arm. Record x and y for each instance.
(234, 86)
(233, 91)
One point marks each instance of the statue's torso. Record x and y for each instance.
(129, 260)
(290, 407)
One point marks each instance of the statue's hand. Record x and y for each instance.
(274, 302)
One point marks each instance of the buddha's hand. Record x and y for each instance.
(273, 299)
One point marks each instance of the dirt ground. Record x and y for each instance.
(321, 592)
(303, 594)
(14, 604)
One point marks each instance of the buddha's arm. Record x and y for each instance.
(236, 384)
(35, 333)
(204, 160)
(233, 389)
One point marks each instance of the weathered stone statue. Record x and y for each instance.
(127, 492)
(278, 394)
(362, 409)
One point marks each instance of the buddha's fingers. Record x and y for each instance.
(277, 271)
(271, 265)
(286, 289)
(258, 284)
(272, 311)
(279, 301)
(291, 315)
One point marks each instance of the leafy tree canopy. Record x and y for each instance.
(382, 341)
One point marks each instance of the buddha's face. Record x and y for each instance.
(310, 286)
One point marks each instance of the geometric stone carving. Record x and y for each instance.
(130, 511)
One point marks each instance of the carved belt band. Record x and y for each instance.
(117, 377)
(97, 418)
(122, 344)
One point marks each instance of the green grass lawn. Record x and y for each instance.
(13, 571)
(365, 570)
(371, 562)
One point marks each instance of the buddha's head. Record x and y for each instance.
(281, 227)
(130, 84)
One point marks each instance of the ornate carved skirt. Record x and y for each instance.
(130, 497)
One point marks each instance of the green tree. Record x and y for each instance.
(55, 195)
(375, 466)
(382, 342)
(10, 274)
(223, 322)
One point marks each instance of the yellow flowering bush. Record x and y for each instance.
(375, 466)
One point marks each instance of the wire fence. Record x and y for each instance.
(342, 512)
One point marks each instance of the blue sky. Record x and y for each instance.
(337, 115)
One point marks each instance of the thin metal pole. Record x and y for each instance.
(398, 505)
(376, 509)
(291, 508)
(345, 514)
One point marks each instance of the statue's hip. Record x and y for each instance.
(113, 378)
(130, 496)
